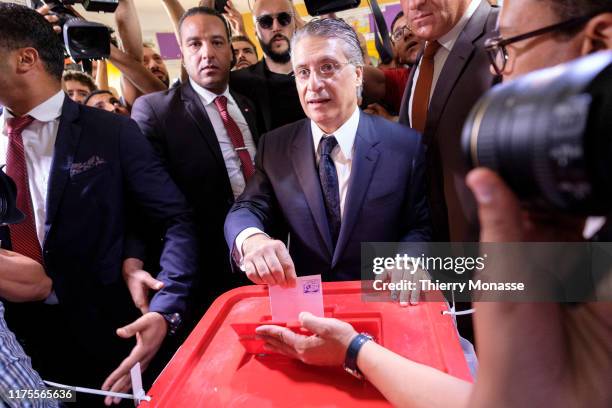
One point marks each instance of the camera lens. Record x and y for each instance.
(548, 134)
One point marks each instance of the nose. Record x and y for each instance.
(207, 51)
(276, 26)
(314, 82)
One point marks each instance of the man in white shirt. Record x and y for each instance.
(452, 73)
(334, 180)
(206, 135)
(74, 168)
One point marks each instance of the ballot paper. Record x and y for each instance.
(287, 303)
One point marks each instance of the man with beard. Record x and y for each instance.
(155, 64)
(270, 83)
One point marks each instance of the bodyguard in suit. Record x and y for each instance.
(452, 74)
(74, 168)
(206, 135)
(334, 180)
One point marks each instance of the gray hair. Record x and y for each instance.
(332, 28)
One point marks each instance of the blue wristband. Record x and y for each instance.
(350, 361)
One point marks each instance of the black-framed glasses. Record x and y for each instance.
(265, 21)
(400, 32)
(496, 46)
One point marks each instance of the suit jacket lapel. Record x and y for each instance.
(303, 161)
(198, 113)
(404, 117)
(455, 64)
(365, 157)
(66, 142)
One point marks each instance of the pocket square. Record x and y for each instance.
(93, 161)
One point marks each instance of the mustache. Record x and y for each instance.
(278, 37)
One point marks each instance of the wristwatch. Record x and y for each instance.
(350, 361)
(174, 321)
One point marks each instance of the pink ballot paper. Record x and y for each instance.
(287, 303)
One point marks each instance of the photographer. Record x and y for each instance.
(544, 354)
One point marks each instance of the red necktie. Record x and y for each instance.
(236, 137)
(420, 100)
(23, 235)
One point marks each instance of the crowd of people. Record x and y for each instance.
(143, 204)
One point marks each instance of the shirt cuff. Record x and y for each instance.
(240, 238)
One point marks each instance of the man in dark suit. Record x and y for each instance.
(208, 148)
(333, 181)
(452, 74)
(74, 168)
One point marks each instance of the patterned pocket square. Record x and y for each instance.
(78, 168)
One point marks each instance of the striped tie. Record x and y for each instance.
(23, 235)
(233, 131)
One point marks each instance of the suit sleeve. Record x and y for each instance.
(138, 230)
(161, 201)
(257, 207)
(416, 208)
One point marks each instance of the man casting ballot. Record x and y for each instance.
(331, 181)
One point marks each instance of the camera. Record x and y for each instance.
(549, 136)
(84, 40)
(319, 7)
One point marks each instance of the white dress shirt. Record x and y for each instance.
(38, 143)
(447, 41)
(230, 156)
(342, 156)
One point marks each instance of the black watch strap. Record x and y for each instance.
(174, 321)
(350, 362)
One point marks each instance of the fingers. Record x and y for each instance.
(324, 327)
(287, 266)
(122, 385)
(251, 273)
(131, 329)
(269, 262)
(498, 208)
(151, 282)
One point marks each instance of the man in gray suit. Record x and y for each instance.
(453, 72)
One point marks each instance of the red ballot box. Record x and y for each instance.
(214, 369)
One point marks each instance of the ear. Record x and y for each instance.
(359, 76)
(27, 59)
(598, 34)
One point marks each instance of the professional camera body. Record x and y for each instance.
(549, 135)
(84, 40)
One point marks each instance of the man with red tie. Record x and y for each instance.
(206, 135)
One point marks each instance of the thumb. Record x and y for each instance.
(498, 208)
(131, 329)
(153, 283)
(317, 325)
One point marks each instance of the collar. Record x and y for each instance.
(449, 39)
(345, 134)
(48, 111)
(207, 96)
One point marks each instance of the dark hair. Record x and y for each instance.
(207, 11)
(81, 77)
(397, 17)
(21, 27)
(97, 92)
(245, 39)
(568, 9)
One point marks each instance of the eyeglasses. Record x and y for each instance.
(265, 21)
(325, 70)
(400, 32)
(496, 46)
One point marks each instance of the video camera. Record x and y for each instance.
(549, 136)
(84, 40)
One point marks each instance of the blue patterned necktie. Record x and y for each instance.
(329, 185)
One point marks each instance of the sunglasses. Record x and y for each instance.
(267, 20)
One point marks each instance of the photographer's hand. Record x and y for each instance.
(51, 18)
